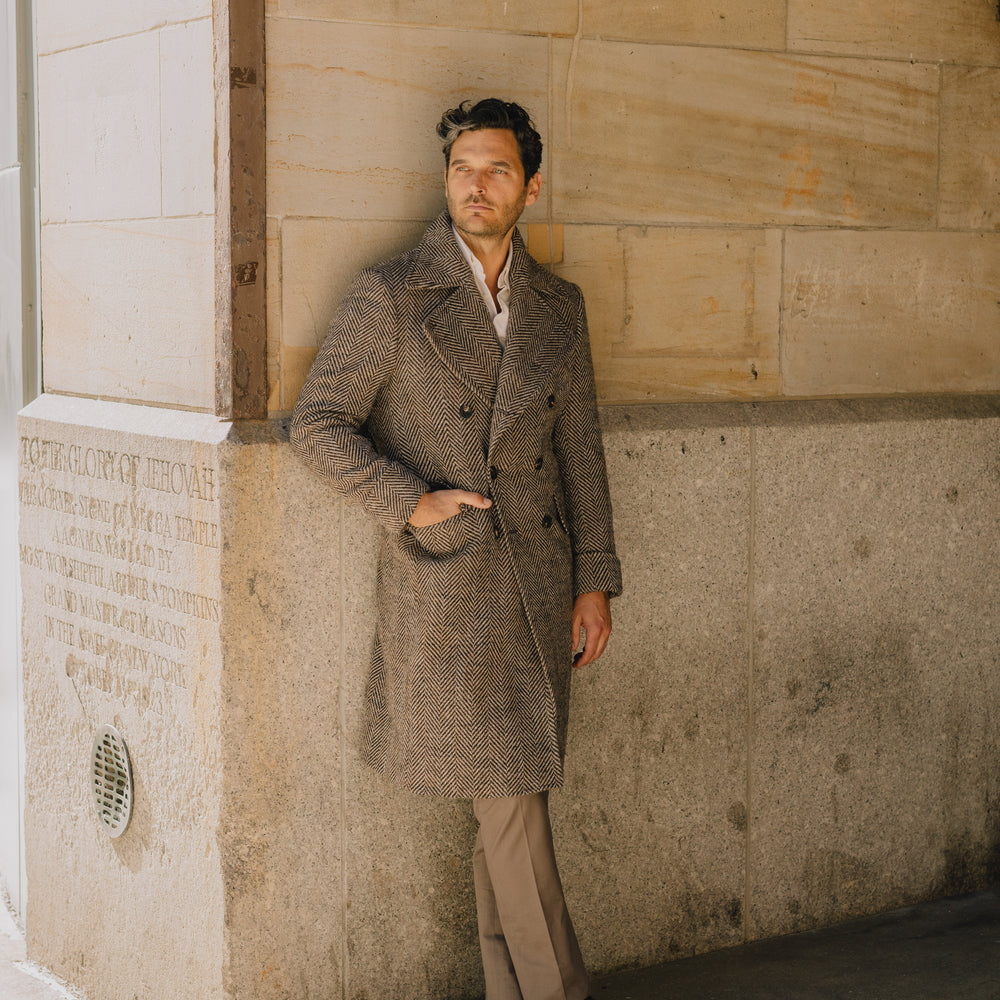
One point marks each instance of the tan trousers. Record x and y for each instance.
(530, 951)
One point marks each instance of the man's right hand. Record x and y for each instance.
(442, 504)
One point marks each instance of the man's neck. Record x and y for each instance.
(491, 252)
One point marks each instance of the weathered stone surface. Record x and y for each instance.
(651, 824)
(327, 157)
(970, 148)
(690, 22)
(875, 635)
(881, 313)
(556, 17)
(63, 24)
(956, 31)
(129, 310)
(678, 313)
(281, 837)
(120, 538)
(187, 119)
(319, 259)
(9, 102)
(719, 135)
(103, 103)
(863, 565)
(274, 289)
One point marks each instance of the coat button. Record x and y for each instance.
(466, 411)
(551, 401)
(494, 472)
(539, 462)
(547, 521)
(497, 533)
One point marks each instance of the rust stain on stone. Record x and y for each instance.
(811, 89)
(803, 181)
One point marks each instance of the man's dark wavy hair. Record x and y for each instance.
(494, 113)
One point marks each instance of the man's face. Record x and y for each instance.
(484, 183)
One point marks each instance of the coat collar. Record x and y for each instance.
(538, 334)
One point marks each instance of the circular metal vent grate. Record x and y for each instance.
(112, 776)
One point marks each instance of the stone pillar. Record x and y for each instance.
(152, 242)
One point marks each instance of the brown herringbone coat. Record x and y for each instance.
(469, 682)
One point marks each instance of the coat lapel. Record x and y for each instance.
(538, 338)
(459, 325)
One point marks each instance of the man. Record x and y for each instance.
(454, 399)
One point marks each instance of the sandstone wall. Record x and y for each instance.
(760, 201)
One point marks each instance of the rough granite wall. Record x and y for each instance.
(794, 723)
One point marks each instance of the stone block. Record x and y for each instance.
(160, 595)
(875, 701)
(187, 119)
(760, 25)
(120, 539)
(10, 283)
(556, 17)
(130, 310)
(282, 821)
(970, 140)
(351, 112)
(273, 297)
(409, 881)
(319, 259)
(883, 313)
(62, 24)
(8, 90)
(651, 825)
(679, 313)
(544, 241)
(99, 131)
(949, 31)
(793, 723)
(711, 135)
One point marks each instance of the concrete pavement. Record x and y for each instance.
(19, 979)
(945, 950)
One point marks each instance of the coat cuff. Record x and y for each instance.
(597, 571)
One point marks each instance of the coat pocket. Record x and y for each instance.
(561, 518)
(448, 537)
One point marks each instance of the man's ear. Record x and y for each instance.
(533, 186)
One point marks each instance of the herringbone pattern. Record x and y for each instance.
(469, 681)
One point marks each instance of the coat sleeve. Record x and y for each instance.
(328, 423)
(579, 450)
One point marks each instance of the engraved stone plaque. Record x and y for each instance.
(119, 544)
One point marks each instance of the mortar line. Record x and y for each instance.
(571, 72)
(549, 110)
(940, 119)
(342, 722)
(751, 664)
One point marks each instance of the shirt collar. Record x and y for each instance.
(473, 261)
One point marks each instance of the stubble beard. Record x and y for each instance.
(495, 225)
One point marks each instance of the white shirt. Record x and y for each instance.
(501, 315)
